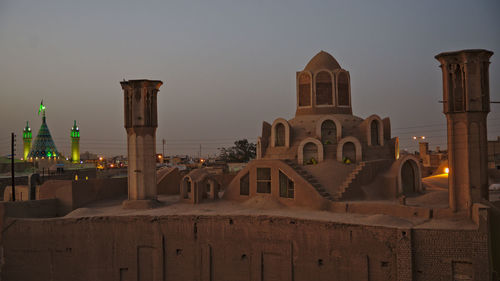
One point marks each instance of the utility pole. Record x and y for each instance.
(199, 156)
(13, 143)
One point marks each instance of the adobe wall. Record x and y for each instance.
(170, 183)
(439, 254)
(76, 194)
(210, 248)
(27, 209)
(60, 190)
(87, 191)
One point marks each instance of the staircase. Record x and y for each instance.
(364, 173)
(352, 178)
(310, 179)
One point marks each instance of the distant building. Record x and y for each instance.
(88, 157)
(43, 146)
(75, 144)
(431, 160)
(494, 154)
(27, 137)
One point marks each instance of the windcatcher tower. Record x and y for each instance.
(466, 103)
(75, 144)
(44, 146)
(141, 122)
(27, 137)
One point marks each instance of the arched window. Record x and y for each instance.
(280, 135)
(374, 132)
(310, 154)
(343, 89)
(304, 90)
(349, 152)
(328, 132)
(324, 94)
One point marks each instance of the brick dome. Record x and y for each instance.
(322, 60)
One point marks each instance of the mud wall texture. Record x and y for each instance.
(234, 248)
(75, 194)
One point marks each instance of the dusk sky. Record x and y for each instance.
(229, 65)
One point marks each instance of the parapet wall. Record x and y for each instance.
(27, 209)
(75, 194)
(236, 248)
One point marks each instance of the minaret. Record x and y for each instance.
(141, 123)
(75, 144)
(466, 103)
(27, 137)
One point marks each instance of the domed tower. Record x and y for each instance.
(27, 137)
(323, 87)
(75, 144)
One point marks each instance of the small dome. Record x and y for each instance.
(322, 60)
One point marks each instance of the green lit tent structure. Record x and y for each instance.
(43, 146)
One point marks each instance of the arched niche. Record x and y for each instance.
(320, 125)
(357, 149)
(306, 143)
(186, 188)
(343, 89)
(323, 88)
(304, 89)
(409, 179)
(212, 188)
(280, 133)
(370, 132)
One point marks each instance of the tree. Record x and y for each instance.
(242, 151)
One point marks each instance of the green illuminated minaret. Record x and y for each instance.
(75, 144)
(27, 141)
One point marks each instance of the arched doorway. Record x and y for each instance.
(328, 132)
(310, 154)
(186, 188)
(349, 152)
(408, 177)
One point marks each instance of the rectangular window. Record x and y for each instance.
(286, 186)
(245, 185)
(264, 180)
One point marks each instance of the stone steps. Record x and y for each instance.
(310, 179)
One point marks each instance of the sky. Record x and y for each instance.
(227, 66)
